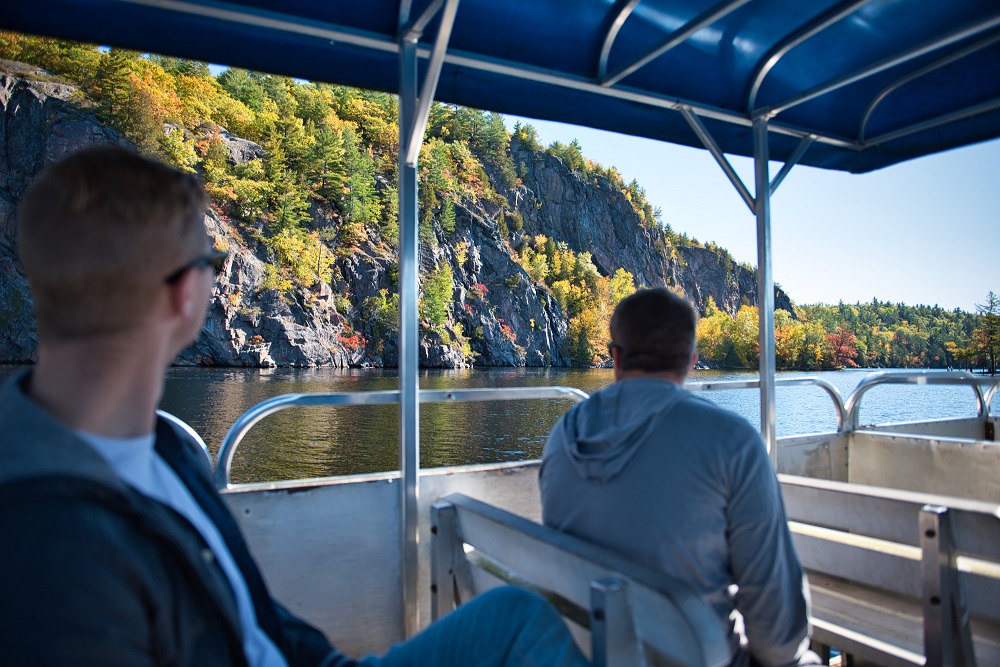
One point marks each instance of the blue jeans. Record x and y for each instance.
(505, 627)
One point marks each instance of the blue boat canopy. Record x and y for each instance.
(874, 82)
(853, 85)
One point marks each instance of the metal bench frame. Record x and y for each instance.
(934, 561)
(629, 610)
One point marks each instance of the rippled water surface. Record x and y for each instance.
(310, 442)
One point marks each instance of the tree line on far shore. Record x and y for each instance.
(862, 335)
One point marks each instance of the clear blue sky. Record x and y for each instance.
(925, 231)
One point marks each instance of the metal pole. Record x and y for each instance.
(419, 117)
(709, 142)
(765, 286)
(409, 434)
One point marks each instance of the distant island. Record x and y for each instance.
(525, 249)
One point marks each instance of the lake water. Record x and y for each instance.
(314, 442)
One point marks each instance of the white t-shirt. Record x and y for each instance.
(138, 464)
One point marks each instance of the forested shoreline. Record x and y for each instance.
(861, 335)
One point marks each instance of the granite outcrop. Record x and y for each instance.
(498, 316)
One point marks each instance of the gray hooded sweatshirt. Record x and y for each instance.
(651, 471)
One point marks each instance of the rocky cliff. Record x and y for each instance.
(497, 314)
(590, 214)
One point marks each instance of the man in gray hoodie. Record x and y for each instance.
(676, 483)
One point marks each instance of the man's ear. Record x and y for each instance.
(182, 294)
(694, 360)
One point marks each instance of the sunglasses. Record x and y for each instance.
(216, 259)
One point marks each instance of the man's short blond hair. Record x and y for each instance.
(98, 232)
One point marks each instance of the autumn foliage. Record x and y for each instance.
(870, 335)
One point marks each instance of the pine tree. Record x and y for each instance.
(987, 335)
(325, 166)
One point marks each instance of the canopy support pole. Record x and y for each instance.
(413, 112)
(708, 141)
(760, 205)
(793, 160)
(419, 119)
(765, 286)
(409, 341)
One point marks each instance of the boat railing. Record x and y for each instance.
(191, 433)
(832, 392)
(847, 410)
(249, 419)
(985, 388)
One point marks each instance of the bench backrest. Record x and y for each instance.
(943, 553)
(629, 609)
(873, 536)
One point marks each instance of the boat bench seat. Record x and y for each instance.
(631, 612)
(897, 577)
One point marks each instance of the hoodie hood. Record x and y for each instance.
(604, 432)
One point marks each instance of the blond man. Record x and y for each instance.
(117, 549)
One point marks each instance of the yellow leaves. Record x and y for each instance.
(462, 252)
(560, 291)
(586, 336)
(196, 94)
(713, 335)
(375, 123)
(203, 99)
(585, 296)
(163, 101)
(304, 254)
(274, 280)
(622, 285)
(727, 340)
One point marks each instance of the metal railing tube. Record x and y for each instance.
(960, 378)
(249, 419)
(988, 395)
(832, 392)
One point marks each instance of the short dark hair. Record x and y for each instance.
(97, 233)
(656, 331)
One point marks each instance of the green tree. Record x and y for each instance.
(325, 167)
(987, 335)
(288, 201)
(122, 102)
(448, 216)
(527, 137)
(438, 289)
(244, 86)
(71, 59)
(182, 66)
(360, 203)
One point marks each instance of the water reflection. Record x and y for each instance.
(323, 441)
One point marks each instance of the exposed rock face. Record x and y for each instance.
(17, 321)
(521, 323)
(705, 274)
(241, 150)
(244, 328)
(37, 126)
(588, 215)
(498, 315)
(592, 215)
